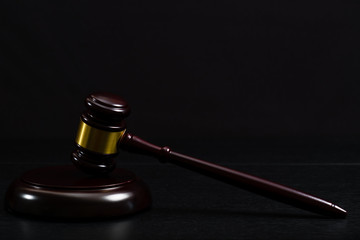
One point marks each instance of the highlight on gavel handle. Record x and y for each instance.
(245, 181)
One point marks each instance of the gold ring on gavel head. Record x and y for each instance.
(97, 140)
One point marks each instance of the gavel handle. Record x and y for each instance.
(245, 181)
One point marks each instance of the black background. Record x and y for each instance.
(268, 88)
(189, 69)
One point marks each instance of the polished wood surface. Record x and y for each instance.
(236, 178)
(107, 112)
(65, 192)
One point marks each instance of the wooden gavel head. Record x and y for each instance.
(101, 127)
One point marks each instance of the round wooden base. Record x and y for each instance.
(65, 192)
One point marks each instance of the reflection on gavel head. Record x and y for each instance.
(101, 127)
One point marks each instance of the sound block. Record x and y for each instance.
(66, 192)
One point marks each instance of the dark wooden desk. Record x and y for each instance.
(190, 206)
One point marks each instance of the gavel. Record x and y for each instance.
(102, 133)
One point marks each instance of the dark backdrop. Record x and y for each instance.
(189, 69)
